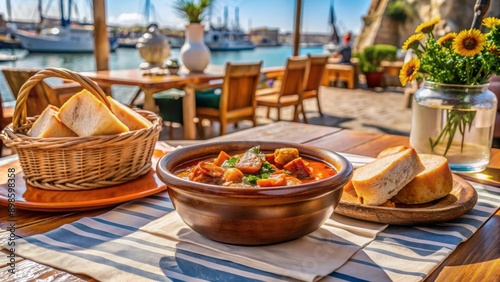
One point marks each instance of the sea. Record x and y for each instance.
(128, 58)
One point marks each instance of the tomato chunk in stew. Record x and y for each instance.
(253, 168)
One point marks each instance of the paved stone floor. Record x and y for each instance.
(372, 110)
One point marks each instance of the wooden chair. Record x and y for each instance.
(42, 94)
(237, 99)
(291, 90)
(314, 74)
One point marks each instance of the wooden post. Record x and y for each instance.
(296, 35)
(101, 41)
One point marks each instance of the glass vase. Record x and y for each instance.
(454, 121)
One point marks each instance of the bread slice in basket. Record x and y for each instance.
(129, 117)
(87, 116)
(49, 125)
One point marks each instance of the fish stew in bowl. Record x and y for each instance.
(254, 192)
(254, 168)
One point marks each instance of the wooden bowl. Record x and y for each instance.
(253, 216)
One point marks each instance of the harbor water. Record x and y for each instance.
(128, 58)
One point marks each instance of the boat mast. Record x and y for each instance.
(9, 11)
(70, 5)
(39, 25)
(225, 17)
(331, 19)
(237, 18)
(147, 7)
(64, 20)
(40, 11)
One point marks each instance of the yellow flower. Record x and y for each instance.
(491, 22)
(469, 42)
(427, 27)
(493, 49)
(409, 71)
(447, 39)
(412, 41)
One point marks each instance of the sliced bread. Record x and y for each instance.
(129, 117)
(87, 116)
(391, 150)
(48, 125)
(435, 182)
(382, 179)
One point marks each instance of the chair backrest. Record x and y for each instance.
(5, 118)
(240, 85)
(293, 79)
(39, 98)
(315, 68)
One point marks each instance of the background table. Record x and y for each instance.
(150, 84)
(475, 259)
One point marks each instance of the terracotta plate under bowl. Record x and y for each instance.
(461, 199)
(36, 199)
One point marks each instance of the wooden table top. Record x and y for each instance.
(475, 259)
(136, 77)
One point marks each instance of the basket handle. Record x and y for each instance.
(20, 111)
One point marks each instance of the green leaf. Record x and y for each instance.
(250, 179)
(231, 162)
(267, 168)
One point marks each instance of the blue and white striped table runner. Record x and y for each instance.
(110, 247)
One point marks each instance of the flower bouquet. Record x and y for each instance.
(454, 101)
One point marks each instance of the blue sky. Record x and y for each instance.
(252, 13)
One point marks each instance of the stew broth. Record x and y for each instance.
(253, 168)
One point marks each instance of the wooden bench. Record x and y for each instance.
(336, 72)
(391, 72)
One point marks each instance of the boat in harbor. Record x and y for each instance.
(7, 58)
(223, 38)
(131, 42)
(227, 40)
(61, 40)
(65, 38)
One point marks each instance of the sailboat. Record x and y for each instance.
(222, 38)
(334, 44)
(61, 39)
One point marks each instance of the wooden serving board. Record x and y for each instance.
(461, 199)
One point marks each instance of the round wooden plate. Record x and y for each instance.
(461, 199)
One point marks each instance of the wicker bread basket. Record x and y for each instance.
(79, 163)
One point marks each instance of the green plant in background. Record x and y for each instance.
(371, 58)
(399, 10)
(193, 11)
(469, 57)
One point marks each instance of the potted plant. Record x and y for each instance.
(370, 61)
(194, 54)
(399, 11)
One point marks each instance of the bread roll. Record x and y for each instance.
(435, 182)
(87, 116)
(129, 117)
(48, 125)
(390, 151)
(380, 180)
